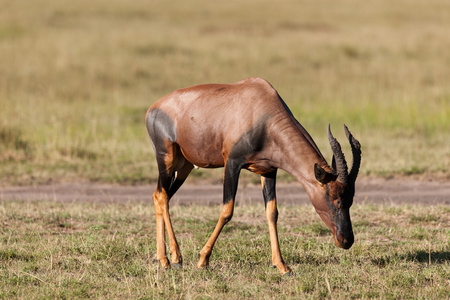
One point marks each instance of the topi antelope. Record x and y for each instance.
(245, 125)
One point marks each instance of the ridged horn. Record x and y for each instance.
(339, 158)
(356, 151)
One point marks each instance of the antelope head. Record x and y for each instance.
(337, 190)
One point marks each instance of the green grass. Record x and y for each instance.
(77, 78)
(50, 249)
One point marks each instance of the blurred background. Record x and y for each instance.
(77, 77)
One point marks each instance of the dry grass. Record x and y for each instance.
(71, 250)
(76, 78)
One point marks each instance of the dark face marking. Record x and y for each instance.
(339, 199)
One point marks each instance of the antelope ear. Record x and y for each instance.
(323, 176)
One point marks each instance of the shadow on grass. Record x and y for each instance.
(311, 259)
(13, 254)
(421, 256)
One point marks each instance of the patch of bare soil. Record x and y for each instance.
(373, 191)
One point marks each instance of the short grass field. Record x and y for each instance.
(60, 250)
(76, 78)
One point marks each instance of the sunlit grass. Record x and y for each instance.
(73, 250)
(77, 78)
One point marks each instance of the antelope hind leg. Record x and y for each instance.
(182, 174)
(160, 229)
(167, 186)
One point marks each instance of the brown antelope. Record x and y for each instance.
(245, 125)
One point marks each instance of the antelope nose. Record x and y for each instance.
(345, 241)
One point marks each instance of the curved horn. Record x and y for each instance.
(356, 151)
(339, 158)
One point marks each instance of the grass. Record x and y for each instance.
(77, 78)
(50, 249)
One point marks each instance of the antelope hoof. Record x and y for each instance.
(165, 263)
(177, 266)
(284, 269)
(203, 264)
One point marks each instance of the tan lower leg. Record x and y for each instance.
(160, 234)
(277, 260)
(174, 249)
(162, 208)
(225, 217)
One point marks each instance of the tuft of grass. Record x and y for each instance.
(88, 250)
(13, 146)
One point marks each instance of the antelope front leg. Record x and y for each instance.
(225, 217)
(230, 184)
(268, 185)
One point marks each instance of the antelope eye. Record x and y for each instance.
(338, 203)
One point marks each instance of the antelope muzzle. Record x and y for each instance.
(343, 236)
(344, 240)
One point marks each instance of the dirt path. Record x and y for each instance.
(376, 191)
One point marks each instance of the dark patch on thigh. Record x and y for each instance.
(160, 129)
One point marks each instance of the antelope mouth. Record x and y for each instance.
(342, 241)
